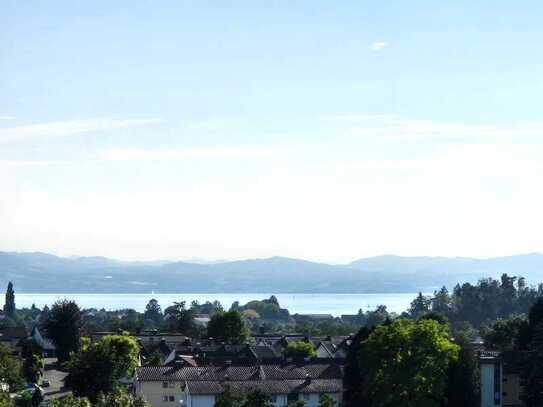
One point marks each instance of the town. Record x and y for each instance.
(443, 351)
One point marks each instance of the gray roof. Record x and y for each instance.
(239, 373)
(267, 386)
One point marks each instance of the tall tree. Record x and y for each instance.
(228, 327)
(407, 363)
(98, 367)
(179, 318)
(532, 373)
(419, 306)
(153, 311)
(441, 302)
(463, 377)
(354, 379)
(9, 306)
(63, 328)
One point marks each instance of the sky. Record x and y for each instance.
(321, 130)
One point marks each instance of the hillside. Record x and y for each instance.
(40, 272)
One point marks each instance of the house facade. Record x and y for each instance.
(198, 386)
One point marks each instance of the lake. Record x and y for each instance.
(335, 304)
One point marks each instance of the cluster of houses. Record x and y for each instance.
(176, 370)
(193, 373)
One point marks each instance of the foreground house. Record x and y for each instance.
(198, 386)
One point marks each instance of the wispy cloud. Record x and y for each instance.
(6, 117)
(26, 163)
(395, 128)
(123, 154)
(69, 127)
(378, 45)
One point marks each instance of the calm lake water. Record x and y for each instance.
(335, 304)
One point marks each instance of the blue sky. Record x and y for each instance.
(321, 130)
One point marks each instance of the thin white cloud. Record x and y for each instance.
(5, 117)
(128, 154)
(379, 45)
(26, 163)
(68, 128)
(395, 128)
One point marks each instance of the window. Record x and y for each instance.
(168, 398)
(172, 398)
(164, 398)
(164, 385)
(273, 398)
(172, 385)
(305, 397)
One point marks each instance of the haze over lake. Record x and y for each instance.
(335, 304)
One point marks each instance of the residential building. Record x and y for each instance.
(198, 386)
(500, 379)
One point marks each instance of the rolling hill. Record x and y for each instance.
(41, 272)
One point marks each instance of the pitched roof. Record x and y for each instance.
(239, 373)
(10, 333)
(267, 386)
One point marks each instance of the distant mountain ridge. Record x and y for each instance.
(42, 272)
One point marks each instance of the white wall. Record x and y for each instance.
(487, 385)
(202, 401)
(154, 393)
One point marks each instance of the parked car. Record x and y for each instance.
(45, 383)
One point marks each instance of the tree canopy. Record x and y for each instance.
(228, 327)
(99, 365)
(63, 328)
(300, 349)
(406, 363)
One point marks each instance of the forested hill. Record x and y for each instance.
(40, 272)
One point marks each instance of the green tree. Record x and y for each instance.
(9, 306)
(441, 302)
(228, 398)
(463, 377)
(504, 334)
(325, 400)
(155, 359)
(153, 312)
(179, 319)
(300, 349)
(10, 369)
(532, 344)
(70, 401)
(63, 328)
(228, 327)
(532, 373)
(98, 367)
(257, 399)
(5, 399)
(407, 363)
(419, 306)
(120, 398)
(355, 377)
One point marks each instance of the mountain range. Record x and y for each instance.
(46, 273)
